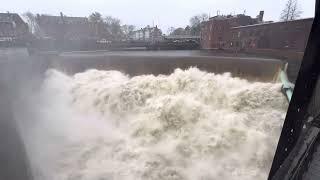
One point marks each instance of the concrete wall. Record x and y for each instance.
(256, 69)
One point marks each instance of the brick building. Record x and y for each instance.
(244, 32)
(290, 35)
(215, 33)
(70, 28)
(13, 28)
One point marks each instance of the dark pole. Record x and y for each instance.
(316, 7)
(304, 87)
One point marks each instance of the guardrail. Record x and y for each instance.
(287, 86)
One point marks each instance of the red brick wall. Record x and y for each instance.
(292, 35)
(216, 33)
(238, 32)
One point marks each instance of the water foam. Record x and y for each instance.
(187, 125)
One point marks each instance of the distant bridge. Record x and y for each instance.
(168, 42)
(182, 37)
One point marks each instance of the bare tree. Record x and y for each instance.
(111, 26)
(114, 26)
(127, 30)
(295, 11)
(196, 20)
(195, 23)
(31, 21)
(111, 20)
(170, 30)
(95, 17)
(179, 31)
(187, 30)
(291, 11)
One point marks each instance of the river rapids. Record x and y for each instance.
(189, 125)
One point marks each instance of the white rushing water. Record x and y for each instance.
(105, 125)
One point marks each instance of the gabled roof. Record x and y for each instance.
(11, 17)
(58, 19)
(269, 23)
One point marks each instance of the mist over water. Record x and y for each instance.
(187, 125)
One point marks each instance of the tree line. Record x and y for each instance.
(291, 11)
(194, 27)
(116, 29)
(112, 26)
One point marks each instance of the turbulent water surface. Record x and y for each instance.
(187, 125)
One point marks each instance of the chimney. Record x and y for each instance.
(61, 15)
(260, 17)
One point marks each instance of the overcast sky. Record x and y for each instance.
(164, 13)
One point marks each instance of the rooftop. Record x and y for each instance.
(222, 17)
(9, 17)
(63, 18)
(268, 23)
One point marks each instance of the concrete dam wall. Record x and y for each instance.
(256, 69)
